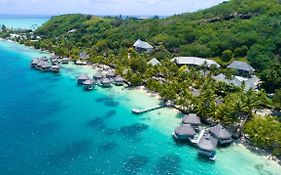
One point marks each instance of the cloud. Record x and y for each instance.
(104, 7)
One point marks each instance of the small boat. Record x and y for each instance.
(89, 84)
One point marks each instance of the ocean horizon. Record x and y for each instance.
(50, 125)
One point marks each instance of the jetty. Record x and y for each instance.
(198, 138)
(141, 111)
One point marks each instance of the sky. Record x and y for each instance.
(104, 7)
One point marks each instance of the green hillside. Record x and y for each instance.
(244, 29)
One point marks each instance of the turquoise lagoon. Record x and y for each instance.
(23, 21)
(50, 125)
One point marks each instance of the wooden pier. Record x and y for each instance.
(141, 111)
(199, 136)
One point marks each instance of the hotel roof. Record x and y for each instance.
(239, 65)
(154, 62)
(195, 61)
(185, 130)
(192, 119)
(220, 132)
(142, 44)
(208, 143)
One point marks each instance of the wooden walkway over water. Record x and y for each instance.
(141, 111)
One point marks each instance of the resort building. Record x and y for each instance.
(84, 56)
(55, 68)
(250, 83)
(98, 76)
(154, 62)
(118, 80)
(221, 134)
(243, 68)
(65, 60)
(194, 61)
(89, 84)
(191, 119)
(207, 146)
(184, 132)
(106, 82)
(143, 46)
(110, 74)
(82, 78)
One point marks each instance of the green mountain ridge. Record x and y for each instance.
(232, 30)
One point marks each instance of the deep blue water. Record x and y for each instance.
(49, 125)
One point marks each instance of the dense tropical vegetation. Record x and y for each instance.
(248, 30)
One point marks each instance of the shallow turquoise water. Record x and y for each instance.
(25, 22)
(49, 125)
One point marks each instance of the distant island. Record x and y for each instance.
(222, 63)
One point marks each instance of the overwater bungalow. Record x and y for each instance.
(191, 119)
(89, 84)
(82, 78)
(184, 132)
(34, 62)
(106, 82)
(44, 59)
(55, 68)
(98, 76)
(110, 74)
(45, 66)
(119, 81)
(55, 61)
(221, 134)
(39, 64)
(207, 146)
(65, 60)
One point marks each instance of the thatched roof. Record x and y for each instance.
(83, 77)
(110, 74)
(192, 119)
(119, 79)
(207, 143)
(98, 75)
(106, 81)
(185, 130)
(89, 82)
(220, 132)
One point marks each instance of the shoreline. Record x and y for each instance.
(143, 89)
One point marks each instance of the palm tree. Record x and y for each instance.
(206, 101)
